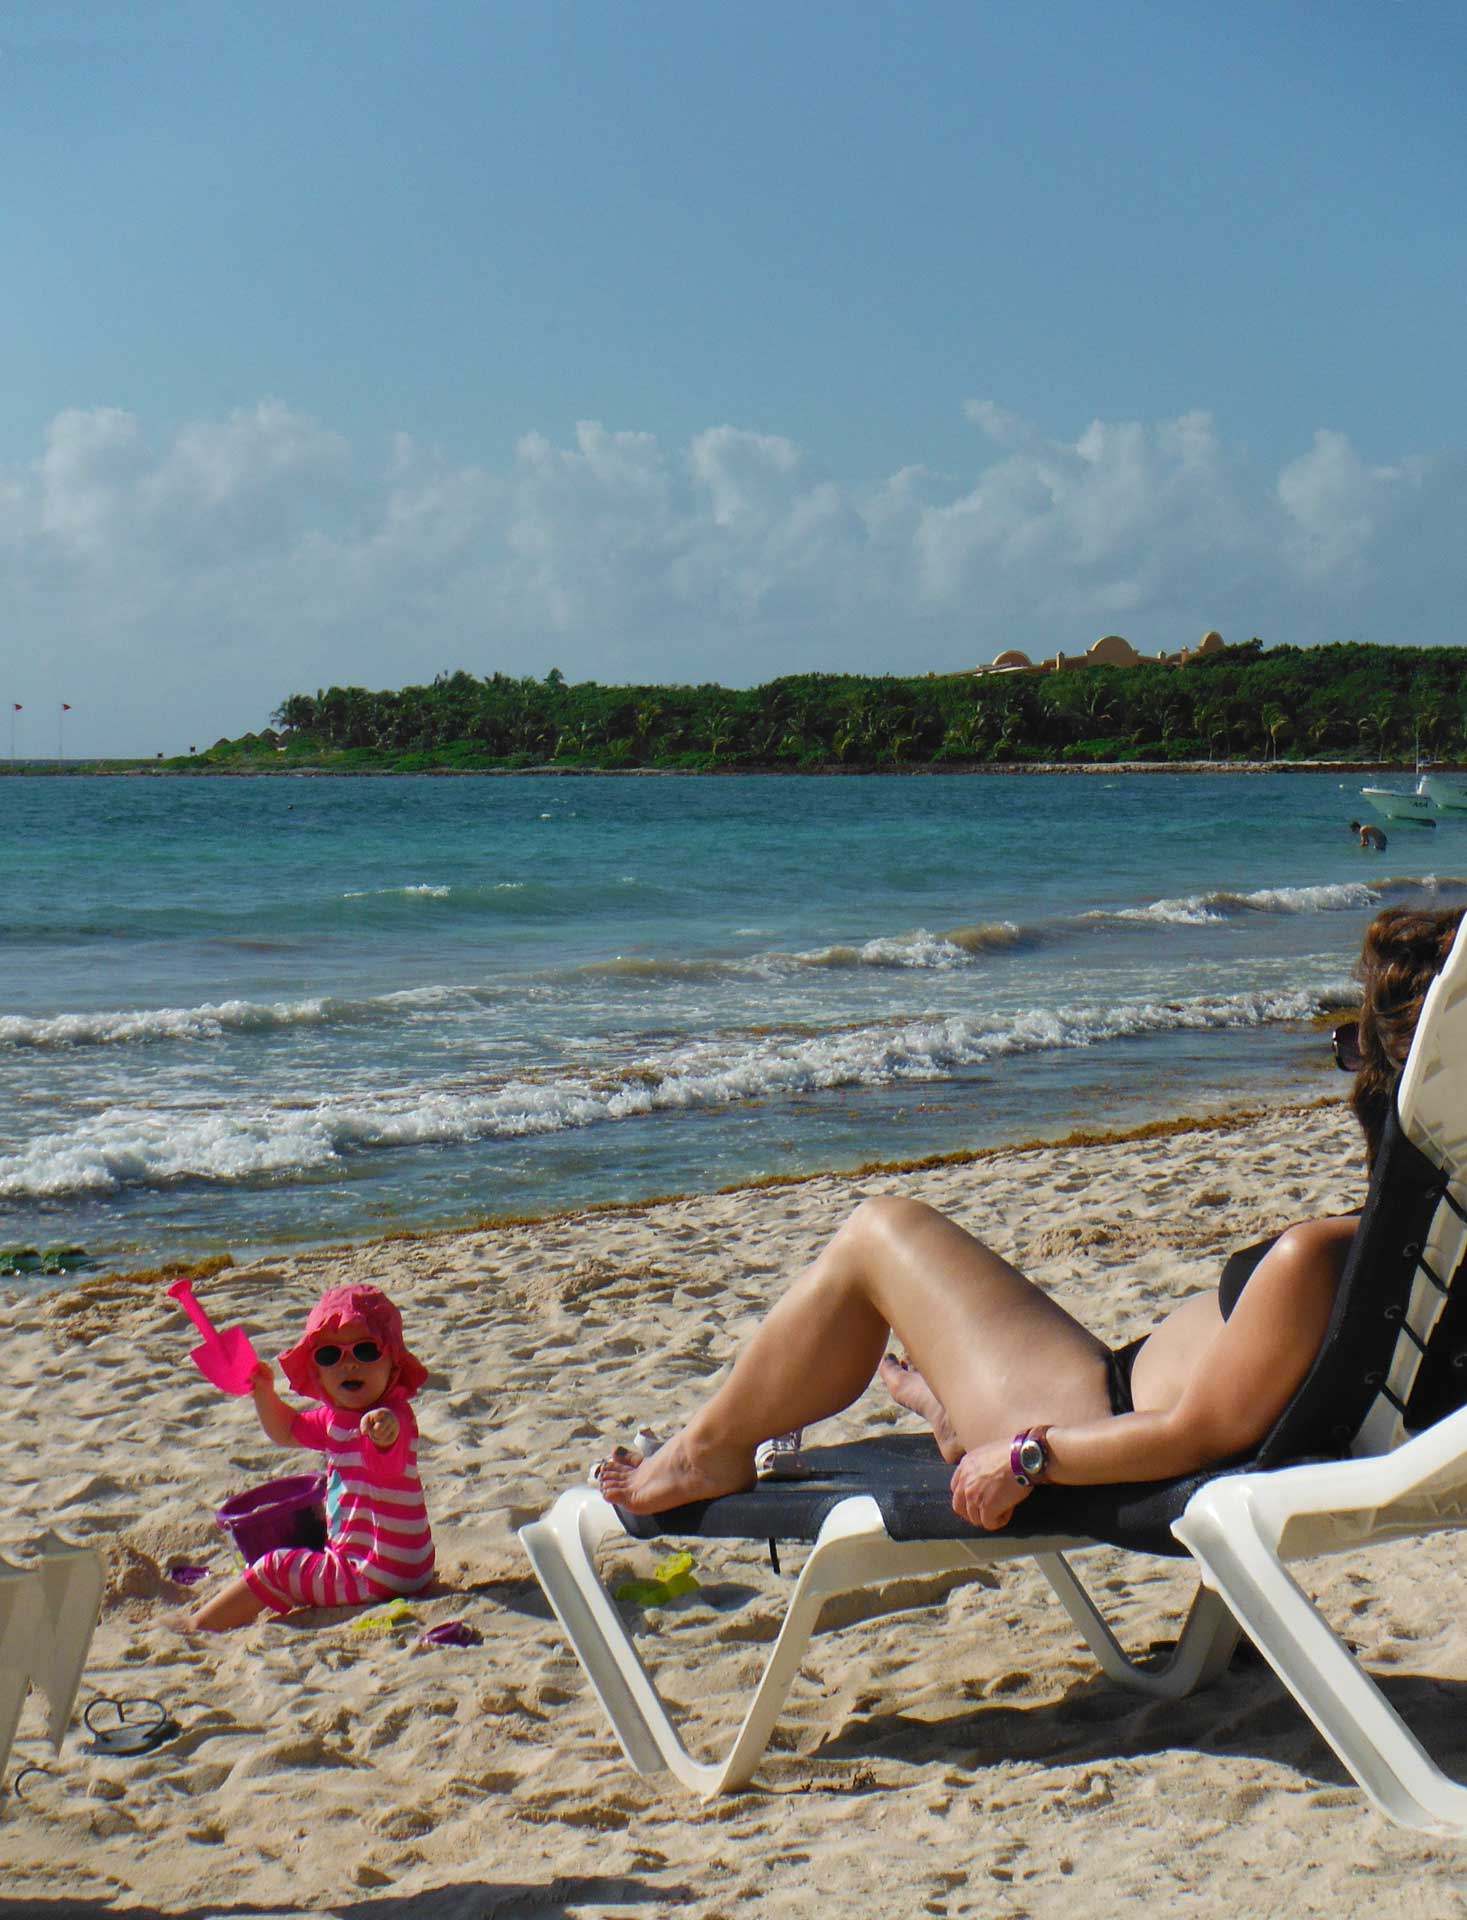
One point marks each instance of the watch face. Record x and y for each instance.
(1032, 1458)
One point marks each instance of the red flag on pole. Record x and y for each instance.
(66, 706)
(18, 707)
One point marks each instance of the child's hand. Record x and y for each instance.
(270, 1410)
(380, 1426)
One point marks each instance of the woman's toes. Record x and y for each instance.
(620, 1462)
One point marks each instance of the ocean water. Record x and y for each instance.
(251, 1014)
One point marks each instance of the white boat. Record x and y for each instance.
(1446, 795)
(1412, 809)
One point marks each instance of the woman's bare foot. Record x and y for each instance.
(677, 1474)
(907, 1387)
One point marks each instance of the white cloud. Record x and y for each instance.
(182, 586)
(1334, 502)
(1006, 429)
(92, 462)
(742, 471)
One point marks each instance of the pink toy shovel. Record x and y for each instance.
(226, 1359)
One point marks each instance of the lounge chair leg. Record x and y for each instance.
(47, 1613)
(1232, 1527)
(853, 1551)
(1203, 1648)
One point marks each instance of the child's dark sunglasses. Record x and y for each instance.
(365, 1350)
(1346, 1042)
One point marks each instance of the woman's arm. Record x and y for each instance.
(1242, 1383)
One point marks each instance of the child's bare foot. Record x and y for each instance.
(677, 1474)
(907, 1387)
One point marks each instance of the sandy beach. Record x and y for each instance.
(962, 1757)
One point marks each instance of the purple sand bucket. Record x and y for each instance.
(282, 1513)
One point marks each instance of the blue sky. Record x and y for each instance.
(356, 342)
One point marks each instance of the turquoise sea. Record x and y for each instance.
(245, 1014)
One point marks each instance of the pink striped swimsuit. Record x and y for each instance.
(378, 1544)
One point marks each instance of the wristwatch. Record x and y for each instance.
(1029, 1457)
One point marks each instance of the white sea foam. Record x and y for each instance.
(143, 1026)
(129, 1147)
(423, 890)
(1342, 896)
(1204, 909)
(919, 950)
(930, 952)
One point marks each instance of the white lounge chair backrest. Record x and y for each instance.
(1431, 1110)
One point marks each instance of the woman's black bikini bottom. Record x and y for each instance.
(1118, 1366)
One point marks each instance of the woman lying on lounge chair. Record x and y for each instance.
(1016, 1390)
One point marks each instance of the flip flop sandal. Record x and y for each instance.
(132, 1732)
(48, 1773)
(782, 1458)
(593, 1472)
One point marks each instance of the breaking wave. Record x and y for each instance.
(1202, 909)
(132, 1147)
(150, 1025)
(1345, 896)
(920, 949)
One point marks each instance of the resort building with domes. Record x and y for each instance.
(1111, 651)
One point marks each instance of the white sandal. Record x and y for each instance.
(782, 1458)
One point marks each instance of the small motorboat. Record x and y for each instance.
(1446, 795)
(1410, 809)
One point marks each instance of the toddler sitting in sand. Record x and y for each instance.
(351, 1357)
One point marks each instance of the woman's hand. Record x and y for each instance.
(984, 1489)
(380, 1426)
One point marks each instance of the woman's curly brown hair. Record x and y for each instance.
(1405, 949)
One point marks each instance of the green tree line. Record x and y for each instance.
(1347, 701)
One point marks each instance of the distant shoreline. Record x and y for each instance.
(134, 770)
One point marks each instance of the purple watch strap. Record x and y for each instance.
(1014, 1468)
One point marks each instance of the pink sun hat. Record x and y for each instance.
(367, 1306)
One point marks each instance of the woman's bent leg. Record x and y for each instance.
(996, 1350)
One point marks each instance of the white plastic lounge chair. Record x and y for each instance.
(1243, 1527)
(47, 1613)
(1394, 1361)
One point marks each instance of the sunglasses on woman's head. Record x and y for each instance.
(364, 1350)
(1346, 1043)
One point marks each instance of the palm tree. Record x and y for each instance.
(962, 733)
(1210, 718)
(1274, 721)
(1431, 708)
(297, 714)
(1380, 720)
(1324, 724)
(718, 731)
